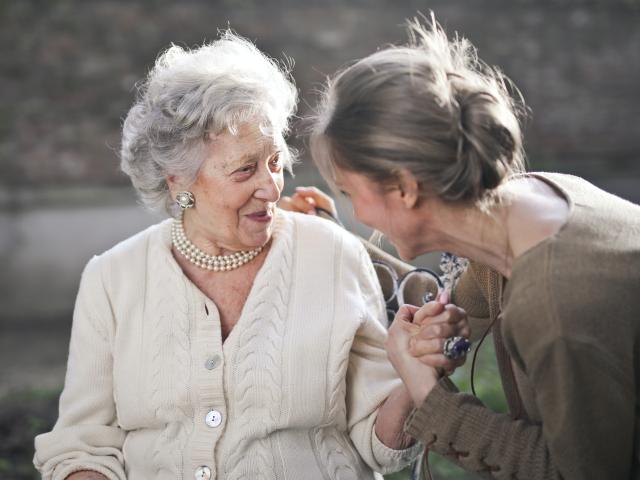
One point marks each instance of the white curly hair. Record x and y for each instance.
(191, 94)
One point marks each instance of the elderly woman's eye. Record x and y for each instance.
(246, 169)
(276, 163)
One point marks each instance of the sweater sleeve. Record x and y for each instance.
(370, 380)
(86, 435)
(458, 426)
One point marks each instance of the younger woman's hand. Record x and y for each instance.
(306, 199)
(433, 323)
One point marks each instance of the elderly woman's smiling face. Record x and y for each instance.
(236, 191)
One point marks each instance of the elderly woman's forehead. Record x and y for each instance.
(241, 145)
(245, 134)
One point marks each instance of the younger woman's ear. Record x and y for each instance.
(409, 188)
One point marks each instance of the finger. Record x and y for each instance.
(315, 192)
(450, 314)
(408, 327)
(462, 329)
(289, 203)
(461, 312)
(437, 330)
(285, 203)
(436, 361)
(404, 318)
(443, 297)
(407, 312)
(430, 309)
(444, 329)
(301, 204)
(300, 198)
(399, 334)
(308, 199)
(432, 346)
(322, 199)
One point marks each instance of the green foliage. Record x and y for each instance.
(403, 475)
(487, 377)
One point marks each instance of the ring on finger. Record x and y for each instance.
(456, 347)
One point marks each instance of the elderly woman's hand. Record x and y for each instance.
(432, 324)
(307, 199)
(418, 377)
(416, 340)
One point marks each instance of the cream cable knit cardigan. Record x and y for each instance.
(297, 383)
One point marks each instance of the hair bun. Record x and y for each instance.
(431, 107)
(488, 145)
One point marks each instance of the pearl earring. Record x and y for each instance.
(185, 200)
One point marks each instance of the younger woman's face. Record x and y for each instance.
(381, 208)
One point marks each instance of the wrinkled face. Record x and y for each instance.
(381, 209)
(236, 190)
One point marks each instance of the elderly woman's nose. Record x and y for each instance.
(268, 187)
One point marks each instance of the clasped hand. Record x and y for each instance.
(416, 340)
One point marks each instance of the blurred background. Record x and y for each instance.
(67, 76)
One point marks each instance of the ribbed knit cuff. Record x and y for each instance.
(394, 460)
(421, 423)
(63, 472)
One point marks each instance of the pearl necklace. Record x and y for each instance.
(217, 263)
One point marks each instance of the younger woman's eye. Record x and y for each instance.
(342, 192)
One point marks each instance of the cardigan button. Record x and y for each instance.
(213, 418)
(203, 473)
(212, 362)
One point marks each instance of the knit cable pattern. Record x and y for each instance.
(257, 396)
(332, 447)
(334, 453)
(171, 362)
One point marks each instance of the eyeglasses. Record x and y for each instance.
(417, 286)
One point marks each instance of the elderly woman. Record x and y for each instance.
(235, 340)
(426, 142)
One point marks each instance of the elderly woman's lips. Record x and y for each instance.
(263, 216)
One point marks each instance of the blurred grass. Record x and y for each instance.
(25, 415)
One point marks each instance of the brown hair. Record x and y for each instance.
(431, 107)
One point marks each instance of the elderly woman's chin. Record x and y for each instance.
(257, 227)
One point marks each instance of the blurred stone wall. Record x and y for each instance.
(67, 78)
